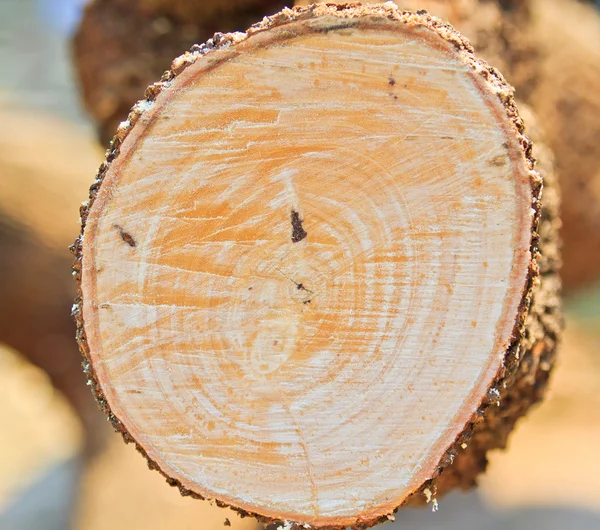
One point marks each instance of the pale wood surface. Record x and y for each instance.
(315, 372)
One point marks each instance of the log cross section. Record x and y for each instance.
(307, 261)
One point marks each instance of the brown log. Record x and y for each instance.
(194, 11)
(310, 272)
(138, 40)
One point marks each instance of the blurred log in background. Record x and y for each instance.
(549, 49)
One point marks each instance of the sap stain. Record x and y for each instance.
(498, 161)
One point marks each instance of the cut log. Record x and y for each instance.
(309, 267)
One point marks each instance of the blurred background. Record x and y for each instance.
(61, 466)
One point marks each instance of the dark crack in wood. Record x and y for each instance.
(128, 238)
(298, 232)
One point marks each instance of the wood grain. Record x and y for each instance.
(305, 263)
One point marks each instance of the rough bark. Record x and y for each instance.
(521, 376)
(193, 11)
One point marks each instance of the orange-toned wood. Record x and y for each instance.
(307, 264)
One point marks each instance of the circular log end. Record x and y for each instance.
(307, 266)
